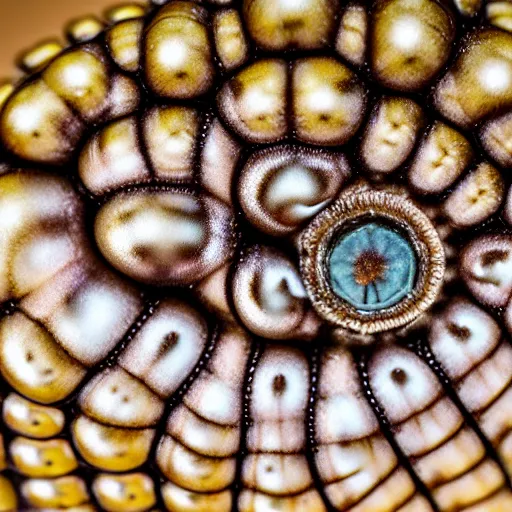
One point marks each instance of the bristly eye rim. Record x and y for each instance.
(353, 206)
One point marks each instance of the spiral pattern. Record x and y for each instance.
(256, 256)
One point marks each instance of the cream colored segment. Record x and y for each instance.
(476, 197)
(41, 231)
(31, 419)
(124, 41)
(390, 494)
(453, 458)
(116, 398)
(33, 363)
(496, 137)
(218, 161)
(124, 493)
(391, 134)
(328, 101)
(182, 500)
(355, 470)
(251, 501)
(111, 158)
(270, 298)
(178, 59)
(442, 157)
(230, 40)
(427, 430)
(202, 436)
(64, 492)
(276, 474)
(462, 336)
(167, 347)
(111, 448)
(253, 103)
(479, 82)
(192, 471)
(37, 125)
(42, 459)
(170, 135)
(479, 483)
(351, 41)
(402, 383)
(481, 387)
(87, 308)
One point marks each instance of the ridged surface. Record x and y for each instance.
(159, 349)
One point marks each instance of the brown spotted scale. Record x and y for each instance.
(256, 256)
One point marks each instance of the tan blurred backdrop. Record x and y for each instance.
(25, 22)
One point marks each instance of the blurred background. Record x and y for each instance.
(25, 22)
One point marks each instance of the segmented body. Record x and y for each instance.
(172, 185)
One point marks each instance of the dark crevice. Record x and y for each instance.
(361, 358)
(173, 401)
(424, 352)
(311, 442)
(208, 109)
(252, 363)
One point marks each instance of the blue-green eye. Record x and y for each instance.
(372, 267)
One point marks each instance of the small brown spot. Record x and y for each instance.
(168, 343)
(491, 257)
(293, 25)
(269, 469)
(461, 333)
(369, 267)
(324, 117)
(181, 75)
(237, 87)
(35, 423)
(141, 252)
(126, 216)
(399, 376)
(29, 357)
(279, 384)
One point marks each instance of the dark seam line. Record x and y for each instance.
(486, 358)
(173, 400)
(362, 368)
(280, 496)
(310, 418)
(424, 352)
(146, 313)
(440, 444)
(252, 362)
(211, 423)
(480, 501)
(486, 408)
(139, 118)
(369, 492)
(406, 501)
(213, 458)
(464, 473)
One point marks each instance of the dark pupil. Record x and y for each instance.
(372, 267)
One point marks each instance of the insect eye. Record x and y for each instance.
(372, 267)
